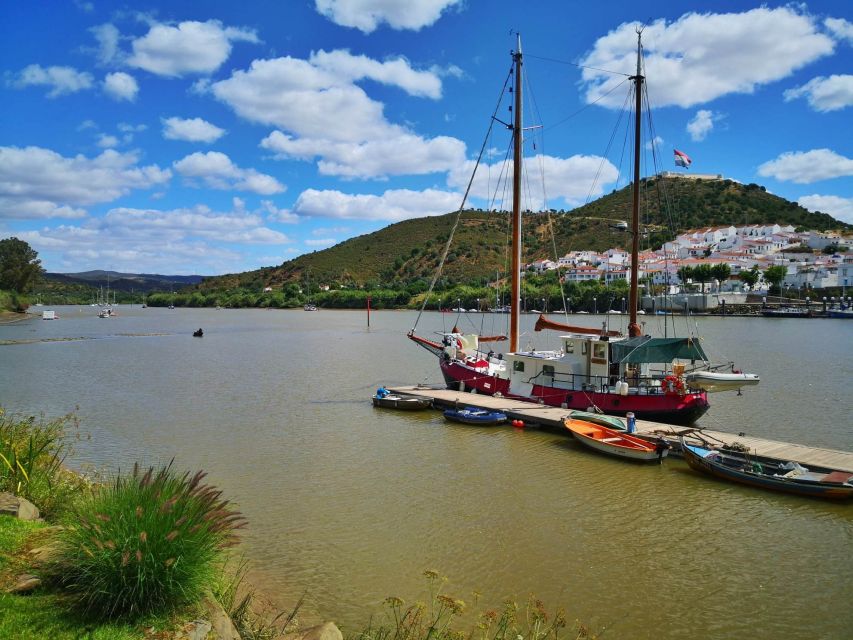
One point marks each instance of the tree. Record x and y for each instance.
(750, 277)
(702, 273)
(774, 275)
(20, 267)
(684, 274)
(721, 272)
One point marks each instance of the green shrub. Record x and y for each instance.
(145, 543)
(31, 454)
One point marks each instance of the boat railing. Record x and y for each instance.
(637, 385)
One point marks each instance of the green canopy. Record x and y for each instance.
(646, 349)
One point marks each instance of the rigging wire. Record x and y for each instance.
(462, 205)
(575, 64)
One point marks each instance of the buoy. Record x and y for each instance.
(518, 424)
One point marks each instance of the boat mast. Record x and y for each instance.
(633, 327)
(517, 132)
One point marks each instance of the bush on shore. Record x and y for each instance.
(146, 543)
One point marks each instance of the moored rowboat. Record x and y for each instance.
(611, 422)
(405, 403)
(473, 415)
(769, 473)
(615, 443)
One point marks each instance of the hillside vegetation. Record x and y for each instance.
(409, 251)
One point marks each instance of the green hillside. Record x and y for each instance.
(409, 251)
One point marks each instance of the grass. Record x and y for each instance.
(146, 542)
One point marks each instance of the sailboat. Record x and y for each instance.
(309, 306)
(593, 369)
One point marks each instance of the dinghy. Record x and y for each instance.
(473, 415)
(616, 443)
(712, 381)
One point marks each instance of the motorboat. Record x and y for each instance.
(712, 381)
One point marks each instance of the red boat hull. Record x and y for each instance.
(670, 408)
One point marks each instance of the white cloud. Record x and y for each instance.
(572, 179)
(121, 86)
(700, 57)
(656, 143)
(393, 205)
(321, 242)
(839, 208)
(702, 124)
(825, 94)
(367, 15)
(186, 240)
(107, 142)
(804, 167)
(61, 80)
(191, 129)
(39, 183)
(217, 171)
(107, 36)
(324, 231)
(397, 72)
(403, 154)
(191, 47)
(278, 215)
(842, 29)
(306, 98)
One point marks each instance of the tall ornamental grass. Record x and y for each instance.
(146, 542)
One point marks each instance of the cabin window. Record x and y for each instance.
(570, 346)
(548, 371)
(584, 348)
(599, 350)
(518, 365)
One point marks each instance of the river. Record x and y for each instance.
(349, 504)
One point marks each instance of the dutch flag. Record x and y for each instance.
(682, 159)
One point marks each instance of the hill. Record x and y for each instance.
(408, 251)
(84, 287)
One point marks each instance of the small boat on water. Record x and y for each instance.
(787, 312)
(473, 415)
(616, 443)
(387, 400)
(198, 333)
(611, 422)
(769, 473)
(712, 381)
(840, 313)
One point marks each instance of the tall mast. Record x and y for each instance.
(633, 327)
(517, 132)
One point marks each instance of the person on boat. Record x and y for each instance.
(382, 392)
(199, 333)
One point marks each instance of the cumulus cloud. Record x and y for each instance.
(804, 167)
(186, 240)
(275, 214)
(216, 171)
(702, 124)
(40, 183)
(191, 47)
(393, 205)
(60, 80)
(321, 242)
(367, 15)
(306, 98)
(839, 27)
(396, 72)
(571, 179)
(837, 207)
(121, 86)
(108, 37)
(106, 141)
(191, 129)
(700, 57)
(825, 94)
(655, 143)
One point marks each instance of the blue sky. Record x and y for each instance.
(188, 137)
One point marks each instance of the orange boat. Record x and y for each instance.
(615, 443)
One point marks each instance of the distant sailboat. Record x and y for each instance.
(309, 306)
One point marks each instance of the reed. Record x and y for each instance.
(146, 542)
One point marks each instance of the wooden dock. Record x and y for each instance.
(552, 418)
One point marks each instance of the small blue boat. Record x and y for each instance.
(473, 415)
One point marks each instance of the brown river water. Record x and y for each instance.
(349, 504)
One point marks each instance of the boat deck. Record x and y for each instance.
(552, 418)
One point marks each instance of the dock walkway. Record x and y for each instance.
(552, 418)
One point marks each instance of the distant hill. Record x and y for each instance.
(138, 282)
(409, 251)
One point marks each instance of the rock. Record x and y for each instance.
(25, 584)
(197, 630)
(21, 508)
(325, 631)
(222, 626)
